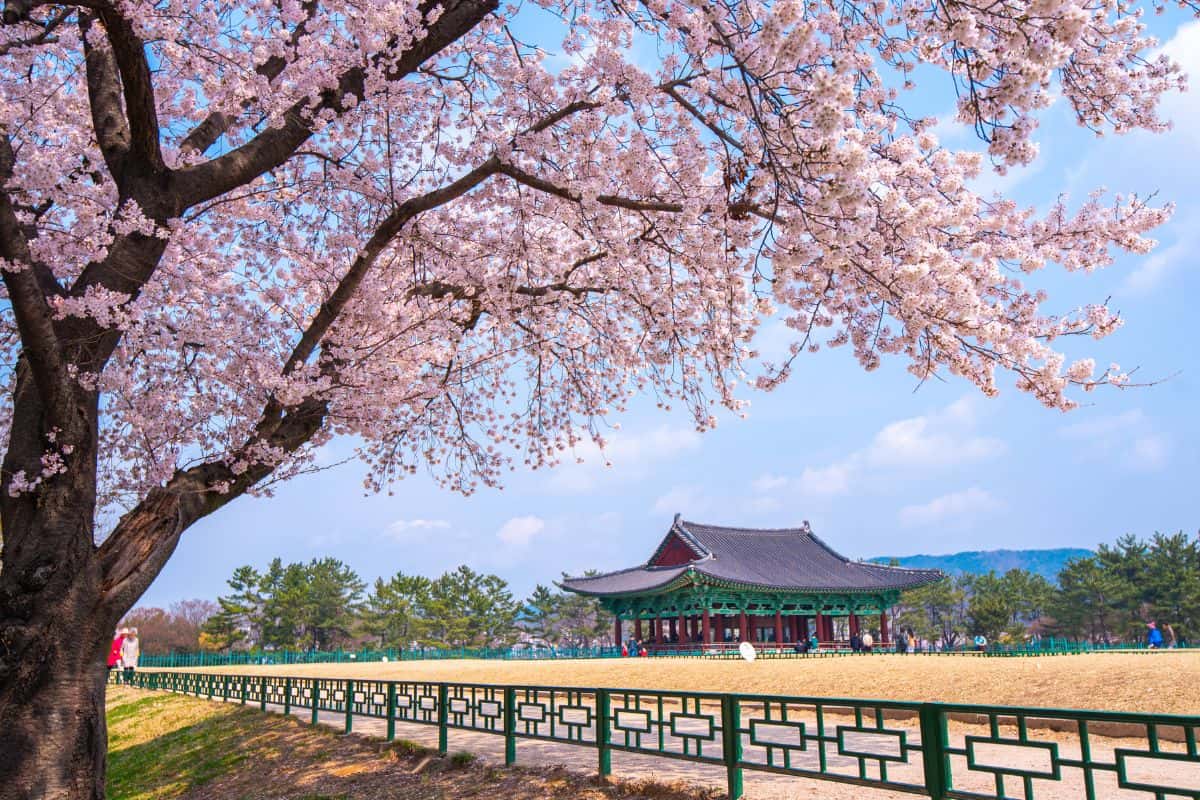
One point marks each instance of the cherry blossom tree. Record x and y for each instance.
(232, 230)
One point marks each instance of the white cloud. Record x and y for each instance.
(1105, 427)
(404, 530)
(1149, 453)
(1182, 109)
(939, 439)
(625, 456)
(943, 438)
(967, 504)
(769, 483)
(417, 524)
(681, 499)
(830, 480)
(1156, 268)
(519, 531)
(1128, 439)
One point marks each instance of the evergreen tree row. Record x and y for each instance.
(324, 605)
(1107, 598)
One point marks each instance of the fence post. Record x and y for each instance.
(316, 699)
(391, 711)
(349, 705)
(604, 731)
(443, 717)
(225, 689)
(244, 689)
(731, 738)
(262, 694)
(510, 726)
(934, 741)
(287, 696)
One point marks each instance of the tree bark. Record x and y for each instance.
(52, 728)
(55, 628)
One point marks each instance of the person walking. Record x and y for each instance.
(114, 652)
(130, 651)
(1154, 637)
(1170, 637)
(868, 642)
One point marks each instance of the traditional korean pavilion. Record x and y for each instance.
(709, 585)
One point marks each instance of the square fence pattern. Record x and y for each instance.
(935, 750)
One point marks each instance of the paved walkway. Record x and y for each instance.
(770, 786)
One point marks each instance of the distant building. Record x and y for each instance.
(709, 585)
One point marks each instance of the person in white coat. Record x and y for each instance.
(130, 650)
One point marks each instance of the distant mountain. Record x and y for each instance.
(1046, 563)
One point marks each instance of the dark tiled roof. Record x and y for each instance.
(791, 559)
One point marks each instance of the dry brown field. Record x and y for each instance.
(1164, 682)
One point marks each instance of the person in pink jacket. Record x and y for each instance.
(114, 652)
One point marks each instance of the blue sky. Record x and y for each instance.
(876, 464)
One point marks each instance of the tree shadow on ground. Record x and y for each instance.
(171, 747)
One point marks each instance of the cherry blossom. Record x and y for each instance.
(468, 233)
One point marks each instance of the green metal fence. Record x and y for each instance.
(935, 750)
(184, 660)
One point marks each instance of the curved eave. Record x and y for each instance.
(726, 583)
(668, 584)
(694, 576)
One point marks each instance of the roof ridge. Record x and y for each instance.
(803, 529)
(698, 547)
(897, 567)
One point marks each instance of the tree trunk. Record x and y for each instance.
(52, 728)
(54, 642)
(55, 627)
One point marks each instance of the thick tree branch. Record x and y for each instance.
(275, 145)
(206, 134)
(104, 99)
(34, 317)
(44, 36)
(130, 54)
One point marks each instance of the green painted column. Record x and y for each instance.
(731, 739)
(349, 706)
(934, 741)
(391, 711)
(604, 731)
(443, 717)
(510, 726)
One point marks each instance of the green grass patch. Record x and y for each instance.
(162, 748)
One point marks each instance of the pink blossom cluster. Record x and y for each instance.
(479, 256)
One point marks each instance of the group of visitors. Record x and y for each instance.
(1159, 638)
(633, 647)
(907, 641)
(125, 650)
(862, 642)
(810, 645)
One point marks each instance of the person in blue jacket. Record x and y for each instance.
(1155, 636)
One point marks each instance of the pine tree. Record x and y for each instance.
(396, 610)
